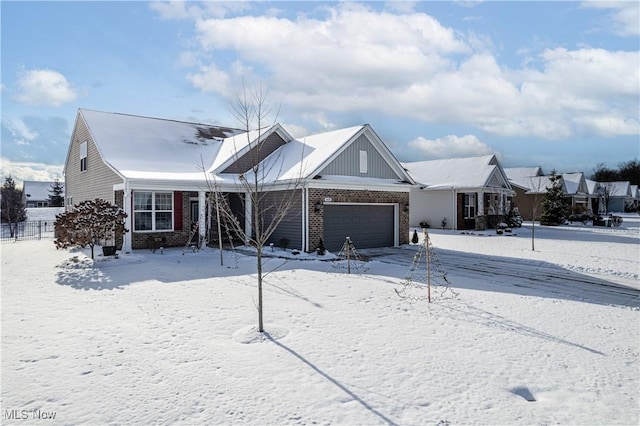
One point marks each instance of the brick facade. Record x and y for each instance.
(316, 219)
(176, 238)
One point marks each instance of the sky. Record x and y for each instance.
(550, 84)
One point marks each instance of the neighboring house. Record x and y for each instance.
(577, 192)
(522, 172)
(530, 192)
(36, 193)
(619, 195)
(469, 193)
(161, 172)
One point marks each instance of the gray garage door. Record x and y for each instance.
(367, 225)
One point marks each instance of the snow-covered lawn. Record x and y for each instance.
(170, 338)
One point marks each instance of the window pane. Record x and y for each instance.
(142, 221)
(164, 221)
(164, 201)
(142, 201)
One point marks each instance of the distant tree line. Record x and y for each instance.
(626, 171)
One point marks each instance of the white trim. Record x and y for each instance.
(355, 186)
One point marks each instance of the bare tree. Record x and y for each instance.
(537, 191)
(608, 190)
(269, 195)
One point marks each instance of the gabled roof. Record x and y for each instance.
(635, 191)
(536, 184)
(473, 172)
(619, 188)
(135, 145)
(36, 190)
(521, 172)
(592, 186)
(575, 183)
(305, 157)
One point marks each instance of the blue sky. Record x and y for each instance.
(551, 84)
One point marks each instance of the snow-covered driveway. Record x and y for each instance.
(520, 276)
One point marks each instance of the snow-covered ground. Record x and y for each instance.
(170, 338)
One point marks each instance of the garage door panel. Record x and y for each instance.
(367, 226)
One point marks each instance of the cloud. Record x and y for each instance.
(20, 132)
(340, 61)
(451, 146)
(211, 79)
(44, 87)
(624, 16)
(21, 171)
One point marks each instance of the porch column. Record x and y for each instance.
(480, 202)
(202, 216)
(128, 222)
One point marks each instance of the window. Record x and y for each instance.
(363, 161)
(153, 211)
(83, 156)
(469, 206)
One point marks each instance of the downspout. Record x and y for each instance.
(305, 219)
(127, 201)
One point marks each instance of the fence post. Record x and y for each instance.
(39, 229)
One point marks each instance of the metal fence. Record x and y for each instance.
(29, 230)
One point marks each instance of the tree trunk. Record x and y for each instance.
(259, 257)
(533, 236)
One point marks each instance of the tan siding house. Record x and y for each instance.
(91, 179)
(161, 171)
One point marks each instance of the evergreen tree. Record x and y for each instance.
(56, 194)
(13, 210)
(554, 208)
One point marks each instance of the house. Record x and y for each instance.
(36, 193)
(522, 172)
(577, 192)
(616, 196)
(459, 193)
(529, 193)
(164, 174)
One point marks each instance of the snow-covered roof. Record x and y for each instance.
(36, 190)
(592, 186)
(574, 183)
(535, 184)
(134, 144)
(472, 172)
(521, 172)
(619, 188)
(635, 192)
(304, 157)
